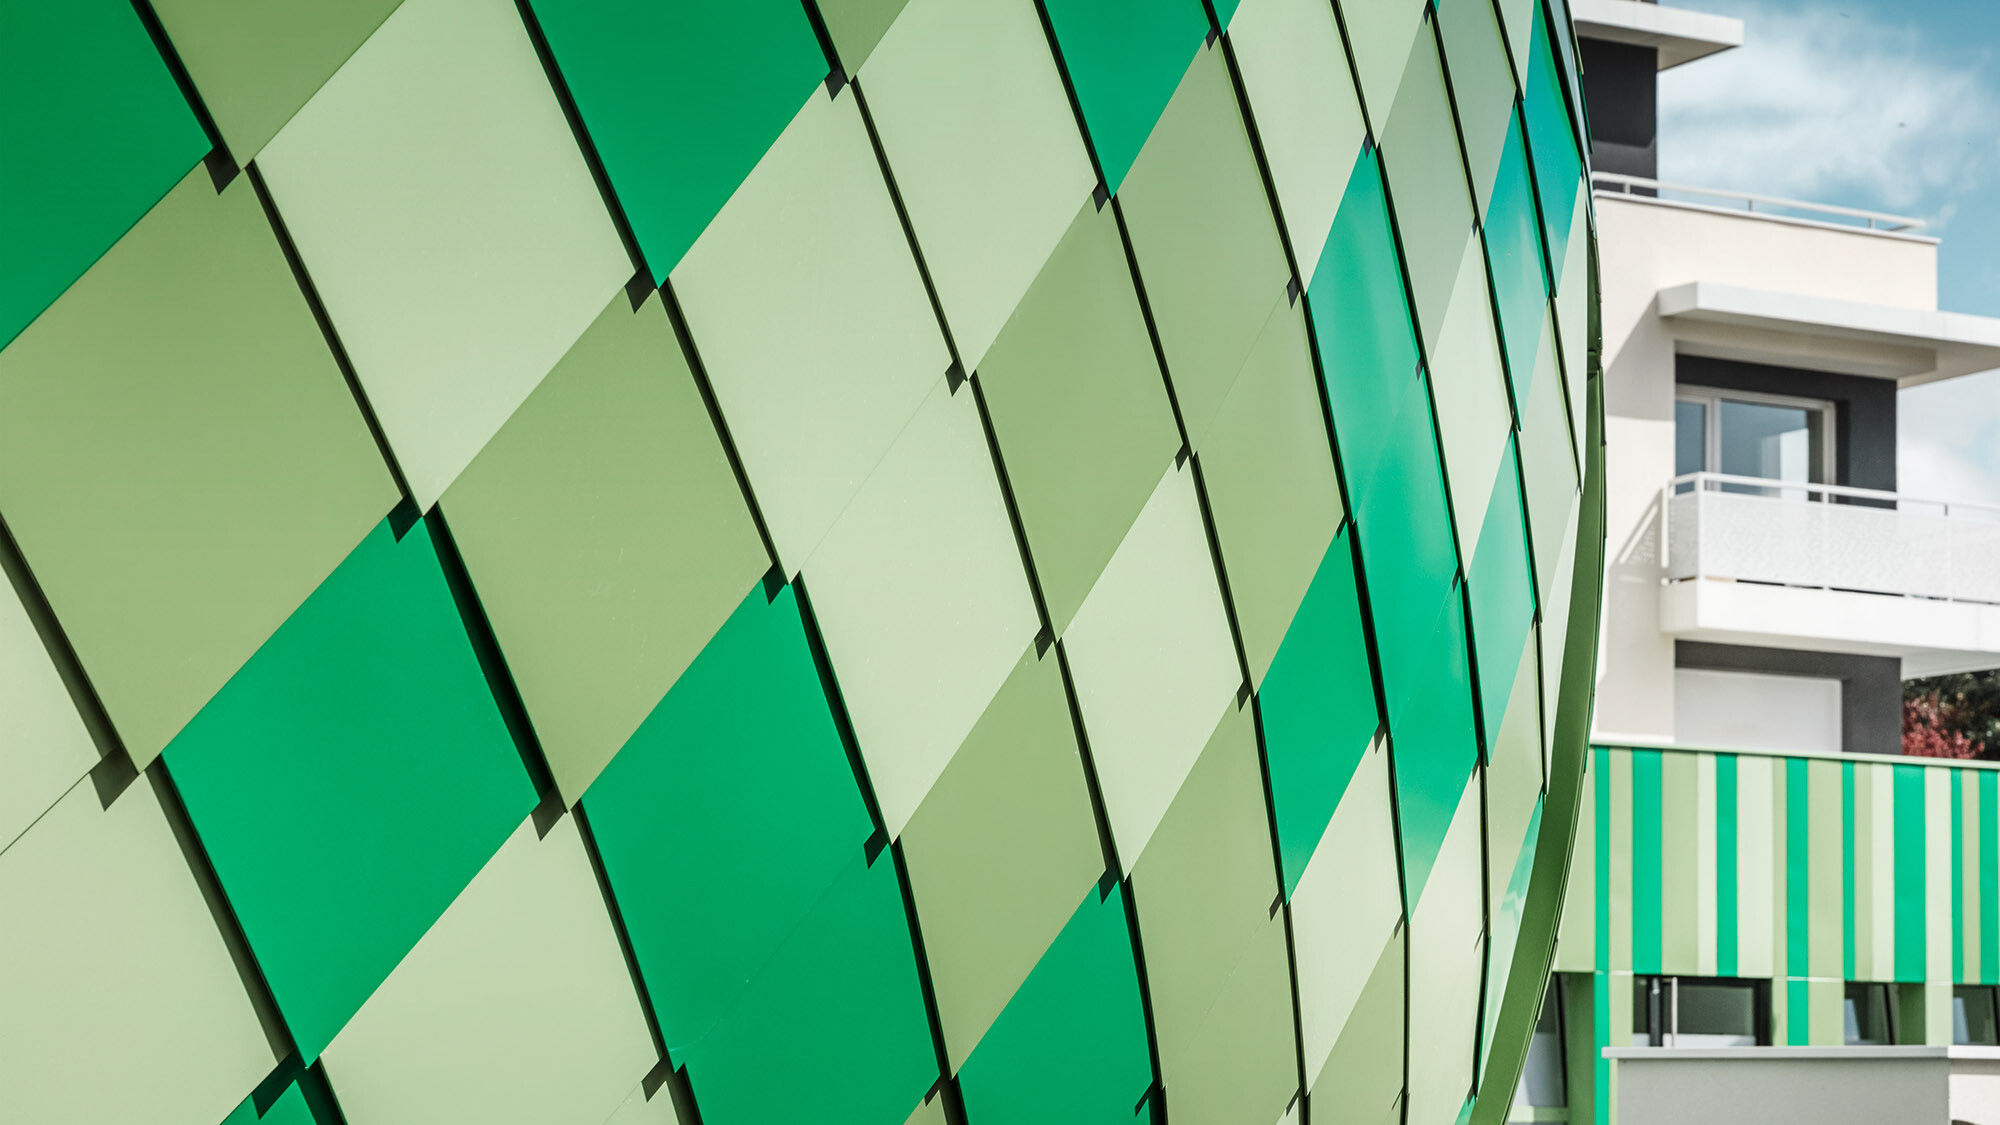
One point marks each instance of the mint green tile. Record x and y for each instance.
(1552, 137)
(1075, 394)
(1318, 709)
(1502, 589)
(256, 64)
(857, 27)
(1070, 1048)
(180, 458)
(1427, 176)
(681, 100)
(93, 133)
(1436, 746)
(1514, 254)
(350, 780)
(1203, 233)
(1124, 61)
(726, 816)
(835, 1019)
(1482, 85)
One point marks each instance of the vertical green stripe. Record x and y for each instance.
(1798, 1006)
(1601, 761)
(1847, 869)
(1957, 874)
(1989, 878)
(1909, 853)
(1679, 903)
(1645, 861)
(1725, 864)
(1601, 1066)
(1798, 860)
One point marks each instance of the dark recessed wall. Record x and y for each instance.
(1620, 86)
(1871, 687)
(1864, 429)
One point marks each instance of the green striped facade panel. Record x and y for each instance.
(897, 560)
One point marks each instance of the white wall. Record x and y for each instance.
(1756, 711)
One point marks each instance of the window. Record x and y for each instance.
(1544, 1083)
(1700, 1012)
(1871, 1018)
(1975, 1016)
(1769, 437)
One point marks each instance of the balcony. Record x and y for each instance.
(1824, 1085)
(1825, 567)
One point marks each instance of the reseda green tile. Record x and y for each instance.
(930, 1111)
(1153, 662)
(1204, 886)
(1318, 709)
(256, 64)
(1242, 1063)
(457, 261)
(1557, 614)
(1070, 1049)
(837, 1012)
(180, 459)
(290, 1108)
(1361, 1079)
(1446, 956)
(1001, 850)
(45, 748)
(1124, 62)
(985, 151)
(94, 133)
(1379, 34)
(607, 537)
(1482, 86)
(1202, 231)
(1436, 744)
(1294, 68)
(812, 322)
(1501, 587)
(516, 1006)
(1513, 869)
(1514, 254)
(637, 1109)
(1469, 389)
(1427, 177)
(118, 999)
(727, 815)
(1548, 468)
(857, 27)
(1344, 910)
(681, 100)
(921, 598)
(1272, 491)
(1361, 323)
(1075, 395)
(1519, 17)
(1514, 770)
(366, 707)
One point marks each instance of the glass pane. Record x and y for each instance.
(1773, 442)
(1642, 1010)
(1690, 437)
(1716, 1015)
(1973, 1020)
(1867, 1014)
(1542, 1073)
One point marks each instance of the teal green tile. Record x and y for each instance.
(726, 815)
(1124, 60)
(835, 1021)
(1070, 1047)
(681, 100)
(351, 779)
(1434, 744)
(1408, 558)
(1501, 587)
(1552, 139)
(1317, 705)
(93, 132)
(1361, 324)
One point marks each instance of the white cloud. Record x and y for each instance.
(1830, 107)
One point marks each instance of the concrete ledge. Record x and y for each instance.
(1679, 35)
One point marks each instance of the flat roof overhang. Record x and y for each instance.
(1931, 637)
(1680, 36)
(1911, 346)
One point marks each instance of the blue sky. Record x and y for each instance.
(1891, 105)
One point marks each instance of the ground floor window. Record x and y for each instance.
(1700, 1012)
(1975, 1015)
(1870, 1016)
(1543, 1093)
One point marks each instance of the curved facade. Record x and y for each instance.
(953, 560)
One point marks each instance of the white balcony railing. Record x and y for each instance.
(1830, 537)
(1772, 206)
